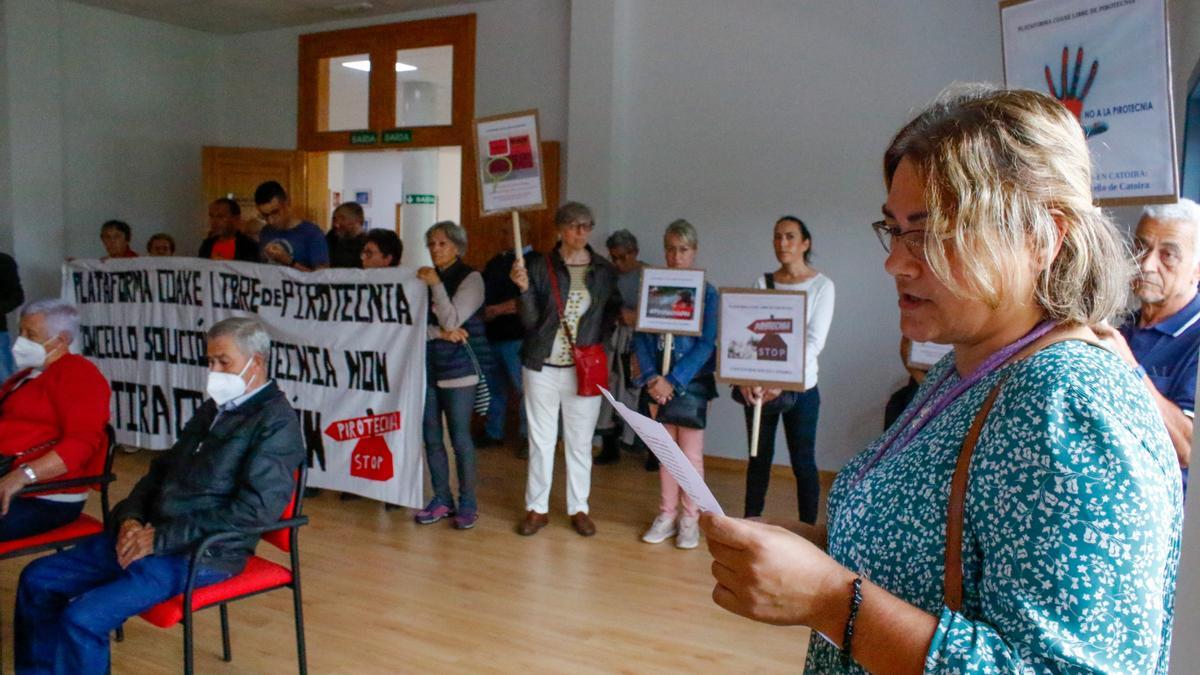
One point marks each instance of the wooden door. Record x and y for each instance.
(238, 171)
(489, 235)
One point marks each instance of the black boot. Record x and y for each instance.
(610, 452)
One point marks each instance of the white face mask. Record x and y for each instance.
(28, 354)
(224, 387)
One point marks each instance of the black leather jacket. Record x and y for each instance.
(238, 474)
(539, 312)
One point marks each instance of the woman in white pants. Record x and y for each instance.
(581, 297)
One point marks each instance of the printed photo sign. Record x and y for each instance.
(761, 338)
(1107, 61)
(671, 301)
(509, 163)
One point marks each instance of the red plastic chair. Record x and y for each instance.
(82, 527)
(259, 576)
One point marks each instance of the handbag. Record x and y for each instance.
(689, 406)
(776, 406)
(483, 395)
(591, 363)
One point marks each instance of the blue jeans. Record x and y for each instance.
(504, 379)
(29, 516)
(7, 365)
(800, 429)
(69, 602)
(457, 403)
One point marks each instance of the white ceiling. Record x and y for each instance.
(244, 16)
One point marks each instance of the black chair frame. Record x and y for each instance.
(292, 524)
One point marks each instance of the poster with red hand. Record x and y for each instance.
(1108, 62)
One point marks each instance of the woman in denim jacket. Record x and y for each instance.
(694, 358)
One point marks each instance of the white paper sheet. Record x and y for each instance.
(667, 450)
(925, 354)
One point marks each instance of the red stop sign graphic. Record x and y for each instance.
(371, 459)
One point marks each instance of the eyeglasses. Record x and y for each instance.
(914, 240)
(580, 226)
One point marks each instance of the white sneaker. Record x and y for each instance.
(689, 532)
(662, 529)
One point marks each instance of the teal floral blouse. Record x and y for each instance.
(1072, 522)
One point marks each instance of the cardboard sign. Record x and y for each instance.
(509, 163)
(761, 339)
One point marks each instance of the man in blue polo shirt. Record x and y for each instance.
(1162, 339)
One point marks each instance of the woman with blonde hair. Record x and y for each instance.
(1023, 514)
(679, 397)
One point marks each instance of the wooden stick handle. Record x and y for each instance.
(754, 427)
(518, 249)
(668, 344)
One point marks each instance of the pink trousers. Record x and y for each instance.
(691, 441)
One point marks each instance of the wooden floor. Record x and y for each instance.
(385, 595)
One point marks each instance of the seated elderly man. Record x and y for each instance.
(52, 416)
(230, 469)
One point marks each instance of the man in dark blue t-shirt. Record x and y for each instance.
(306, 248)
(1161, 340)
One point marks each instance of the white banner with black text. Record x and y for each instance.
(348, 349)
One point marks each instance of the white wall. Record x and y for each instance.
(32, 54)
(138, 104)
(380, 172)
(520, 63)
(731, 117)
(111, 114)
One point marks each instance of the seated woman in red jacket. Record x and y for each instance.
(52, 417)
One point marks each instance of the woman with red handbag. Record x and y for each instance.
(569, 301)
(679, 398)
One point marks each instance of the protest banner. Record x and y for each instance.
(348, 349)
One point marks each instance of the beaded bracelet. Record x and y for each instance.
(848, 637)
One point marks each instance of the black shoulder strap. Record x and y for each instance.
(770, 277)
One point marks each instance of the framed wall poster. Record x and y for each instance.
(671, 301)
(1108, 62)
(761, 337)
(509, 171)
(363, 197)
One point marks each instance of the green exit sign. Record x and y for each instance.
(420, 199)
(363, 138)
(398, 136)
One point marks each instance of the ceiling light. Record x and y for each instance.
(365, 66)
